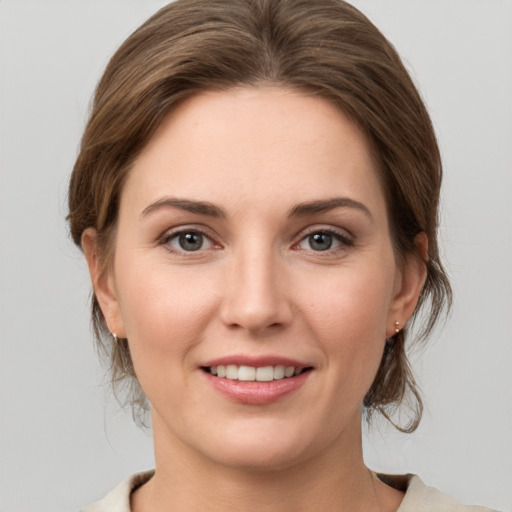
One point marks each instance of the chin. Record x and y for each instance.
(259, 456)
(266, 445)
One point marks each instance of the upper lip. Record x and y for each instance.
(255, 361)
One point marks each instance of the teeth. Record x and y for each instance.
(246, 373)
(265, 374)
(251, 373)
(278, 372)
(231, 372)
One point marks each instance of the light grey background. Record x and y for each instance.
(63, 441)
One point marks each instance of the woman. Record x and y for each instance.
(256, 196)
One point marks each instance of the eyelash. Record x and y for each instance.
(344, 240)
(168, 236)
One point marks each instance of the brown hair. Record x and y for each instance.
(325, 47)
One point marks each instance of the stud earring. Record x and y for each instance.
(116, 339)
(397, 327)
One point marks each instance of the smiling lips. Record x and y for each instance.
(253, 373)
(258, 383)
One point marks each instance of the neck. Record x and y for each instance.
(334, 480)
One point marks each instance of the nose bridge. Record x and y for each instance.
(256, 295)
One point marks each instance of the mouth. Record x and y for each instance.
(244, 373)
(256, 380)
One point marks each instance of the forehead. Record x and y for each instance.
(258, 145)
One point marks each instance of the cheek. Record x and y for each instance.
(163, 309)
(348, 312)
(165, 315)
(349, 301)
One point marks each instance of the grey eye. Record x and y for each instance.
(320, 241)
(190, 241)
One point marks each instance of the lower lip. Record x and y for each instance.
(254, 392)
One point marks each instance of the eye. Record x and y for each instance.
(323, 240)
(188, 241)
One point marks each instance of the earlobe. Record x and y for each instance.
(410, 283)
(103, 283)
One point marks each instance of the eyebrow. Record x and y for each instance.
(199, 207)
(325, 205)
(299, 210)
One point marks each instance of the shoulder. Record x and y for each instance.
(118, 500)
(418, 496)
(422, 498)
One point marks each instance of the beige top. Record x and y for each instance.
(418, 496)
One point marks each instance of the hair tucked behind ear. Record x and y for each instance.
(324, 47)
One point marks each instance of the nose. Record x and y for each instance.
(256, 295)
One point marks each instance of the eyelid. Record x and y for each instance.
(171, 233)
(345, 238)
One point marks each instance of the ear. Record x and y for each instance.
(408, 285)
(103, 283)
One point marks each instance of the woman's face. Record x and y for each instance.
(253, 238)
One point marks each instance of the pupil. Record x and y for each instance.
(191, 241)
(320, 241)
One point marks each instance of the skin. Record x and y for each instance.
(256, 286)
